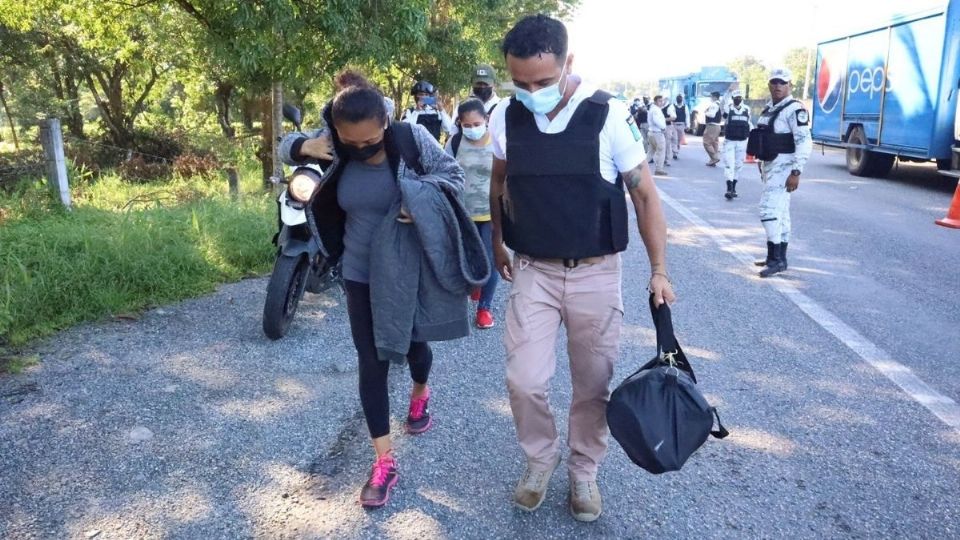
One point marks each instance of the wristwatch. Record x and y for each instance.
(795, 172)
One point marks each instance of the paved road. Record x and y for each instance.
(837, 381)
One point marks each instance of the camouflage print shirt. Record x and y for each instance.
(477, 163)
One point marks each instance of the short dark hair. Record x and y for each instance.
(534, 35)
(470, 105)
(358, 102)
(656, 97)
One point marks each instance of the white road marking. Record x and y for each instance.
(944, 408)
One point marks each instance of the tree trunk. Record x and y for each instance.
(73, 117)
(265, 152)
(6, 110)
(222, 98)
(248, 109)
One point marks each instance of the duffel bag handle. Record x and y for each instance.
(667, 346)
(663, 322)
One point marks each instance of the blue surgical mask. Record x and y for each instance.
(543, 100)
(475, 133)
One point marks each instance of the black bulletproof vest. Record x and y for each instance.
(717, 117)
(666, 114)
(557, 204)
(641, 115)
(738, 125)
(432, 122)
(681, 112)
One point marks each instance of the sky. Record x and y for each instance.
(615, 40)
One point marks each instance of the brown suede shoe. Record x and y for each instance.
(532, 487)
(585, 503)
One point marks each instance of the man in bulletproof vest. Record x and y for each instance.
(563, 154)
(711, 132)
(670, 134)
(427, 112)
(782, 143)
(640, 113)
(735, 142)
(679, 124)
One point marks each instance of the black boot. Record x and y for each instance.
(783, 254)
(733, 189)
(729, 194)
(766, 262)
(775, 266)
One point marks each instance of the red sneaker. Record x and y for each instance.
(475, 294)
(484, 318)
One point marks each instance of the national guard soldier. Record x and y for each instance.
(427, 112)
(735, 142)
(639, 110)
(711, 133)
(782, 143)
(484, 84)
(679, 125)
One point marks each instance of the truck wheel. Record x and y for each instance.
(284, 291)
(863, 162)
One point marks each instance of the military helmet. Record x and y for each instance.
(422, 87)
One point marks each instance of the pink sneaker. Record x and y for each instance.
(383, 476)
(418, 419)
(475, 294)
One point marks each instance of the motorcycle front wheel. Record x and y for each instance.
(287, 282)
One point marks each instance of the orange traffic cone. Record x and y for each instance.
(750, 159)
(952, 218)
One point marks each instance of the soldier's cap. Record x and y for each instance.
(781, 73)
(736, 93)
(484, 73)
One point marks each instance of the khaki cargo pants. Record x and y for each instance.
(587, 301)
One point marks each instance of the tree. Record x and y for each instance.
(751, 71)
(796, 61)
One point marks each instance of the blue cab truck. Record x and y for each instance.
(890, 93)
(696, 89)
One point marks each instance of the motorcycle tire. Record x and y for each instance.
(287, 282)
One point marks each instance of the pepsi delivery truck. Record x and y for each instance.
(891, 93)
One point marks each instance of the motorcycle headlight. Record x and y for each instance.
(301, 187)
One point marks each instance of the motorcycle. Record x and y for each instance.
(302, 262)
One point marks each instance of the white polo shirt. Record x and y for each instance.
(621, 145)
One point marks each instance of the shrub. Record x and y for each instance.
(191, 164)
(139, 170)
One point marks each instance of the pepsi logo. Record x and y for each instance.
(829, 86)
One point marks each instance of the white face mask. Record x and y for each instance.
(545, 99)
(475, 133)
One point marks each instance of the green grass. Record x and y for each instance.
(15, 365)
(124, 248)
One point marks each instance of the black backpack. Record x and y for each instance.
(407, 146)
(455, 142)
(658, 415)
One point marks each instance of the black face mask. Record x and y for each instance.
(483, 92)
(356, 153)
(737, 101)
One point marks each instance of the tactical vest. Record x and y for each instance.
(681, 113)
(640, 115)
(738, 124)
(764, 143)
(432, 122)
(557, 204)
(666, 114)
(715, 119)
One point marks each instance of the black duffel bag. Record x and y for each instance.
(658, 414)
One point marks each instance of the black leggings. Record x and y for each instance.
(374, 397)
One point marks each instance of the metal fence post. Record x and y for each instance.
(51, 137)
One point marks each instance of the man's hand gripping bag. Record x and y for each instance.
(657, 414)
